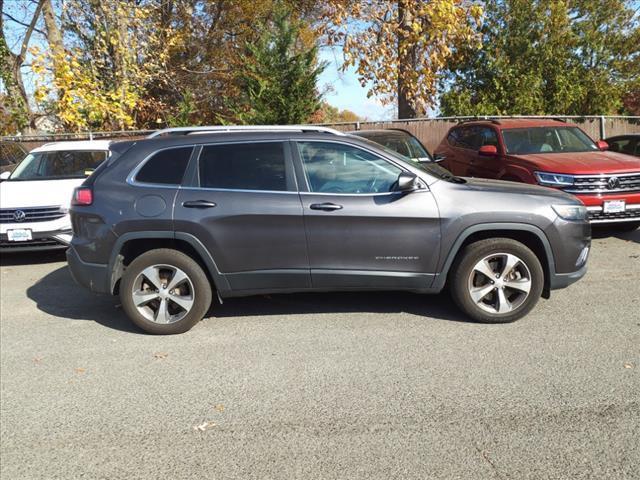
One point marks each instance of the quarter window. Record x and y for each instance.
(251, 166)
(166, 167)
(336, 168)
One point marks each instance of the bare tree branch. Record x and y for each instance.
(30, 29)
(13, 19)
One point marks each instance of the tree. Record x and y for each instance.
(401, 47)
(329, 114)
(278, 74)
(547, 57)
(97, 78)
(18, 114)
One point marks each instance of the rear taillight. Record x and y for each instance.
(82, 196)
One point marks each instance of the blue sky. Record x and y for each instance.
(343, 89)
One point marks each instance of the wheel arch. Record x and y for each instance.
(130, 245)
(529, 235)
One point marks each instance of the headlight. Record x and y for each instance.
(555, 179)
(571, 212)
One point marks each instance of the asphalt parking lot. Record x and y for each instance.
(322, 386)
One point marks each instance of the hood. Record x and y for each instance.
(501, 186)
(39, 193)
(582, 163)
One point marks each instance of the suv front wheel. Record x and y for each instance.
(164, 292)
(497, 280)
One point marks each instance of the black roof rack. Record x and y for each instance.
(481, 119)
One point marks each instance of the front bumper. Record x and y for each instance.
(94, 276)
(631, 214)
(595, 207)
(563, 280)
(52, 240)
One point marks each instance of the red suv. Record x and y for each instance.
(550, 153)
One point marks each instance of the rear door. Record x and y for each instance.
(243, 205)
(360, 232)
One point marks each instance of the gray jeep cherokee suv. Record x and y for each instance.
(168, 220)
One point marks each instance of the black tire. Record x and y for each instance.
(462, 269)
(201, 294)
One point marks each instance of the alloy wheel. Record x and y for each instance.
(500, 283)
(163, 294)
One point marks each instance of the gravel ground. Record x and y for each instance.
(322, 386)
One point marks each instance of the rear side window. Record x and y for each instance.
(166, 167)
(251, 166)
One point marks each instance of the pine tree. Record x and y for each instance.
(278, 75)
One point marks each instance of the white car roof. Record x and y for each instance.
(74, 146)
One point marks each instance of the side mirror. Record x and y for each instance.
(407, 182)
(4, 176)
(488, 151)
(602, 145)
(438, 157)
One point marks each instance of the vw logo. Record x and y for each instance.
(613, 183)
(19, 216)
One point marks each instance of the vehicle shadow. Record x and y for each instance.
(57, 294)
(603, 231)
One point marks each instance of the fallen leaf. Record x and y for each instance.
(628, 365)
(80, 370)
(204, 426)
(37, 359)
(219, 408)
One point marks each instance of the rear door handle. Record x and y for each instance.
(327, 207)
(198, 204)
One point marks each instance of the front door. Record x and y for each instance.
(244, 207)
(486, 166)
(360, 232)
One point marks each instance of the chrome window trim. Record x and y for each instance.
(209, 189)
(131, 178)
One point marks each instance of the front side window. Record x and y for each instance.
(166, 167)
(547, 140)
(488, 137)
(336, 168)
(250, 166)
(58, 165)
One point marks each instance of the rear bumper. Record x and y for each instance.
(93, 276)
(52, 240)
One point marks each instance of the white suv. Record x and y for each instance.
(35, 197)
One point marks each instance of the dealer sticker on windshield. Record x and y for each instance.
(615, 206)
(19, 235)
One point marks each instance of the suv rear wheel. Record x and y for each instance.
(497, 280)
(164, 292)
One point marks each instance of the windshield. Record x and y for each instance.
(406, 145)
(58, 165)
(547, 140)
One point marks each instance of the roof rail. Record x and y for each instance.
(244, 128)
(480, 119)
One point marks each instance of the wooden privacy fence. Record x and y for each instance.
(430, 131)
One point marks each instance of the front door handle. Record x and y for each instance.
(327, 207)
(198, 204)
